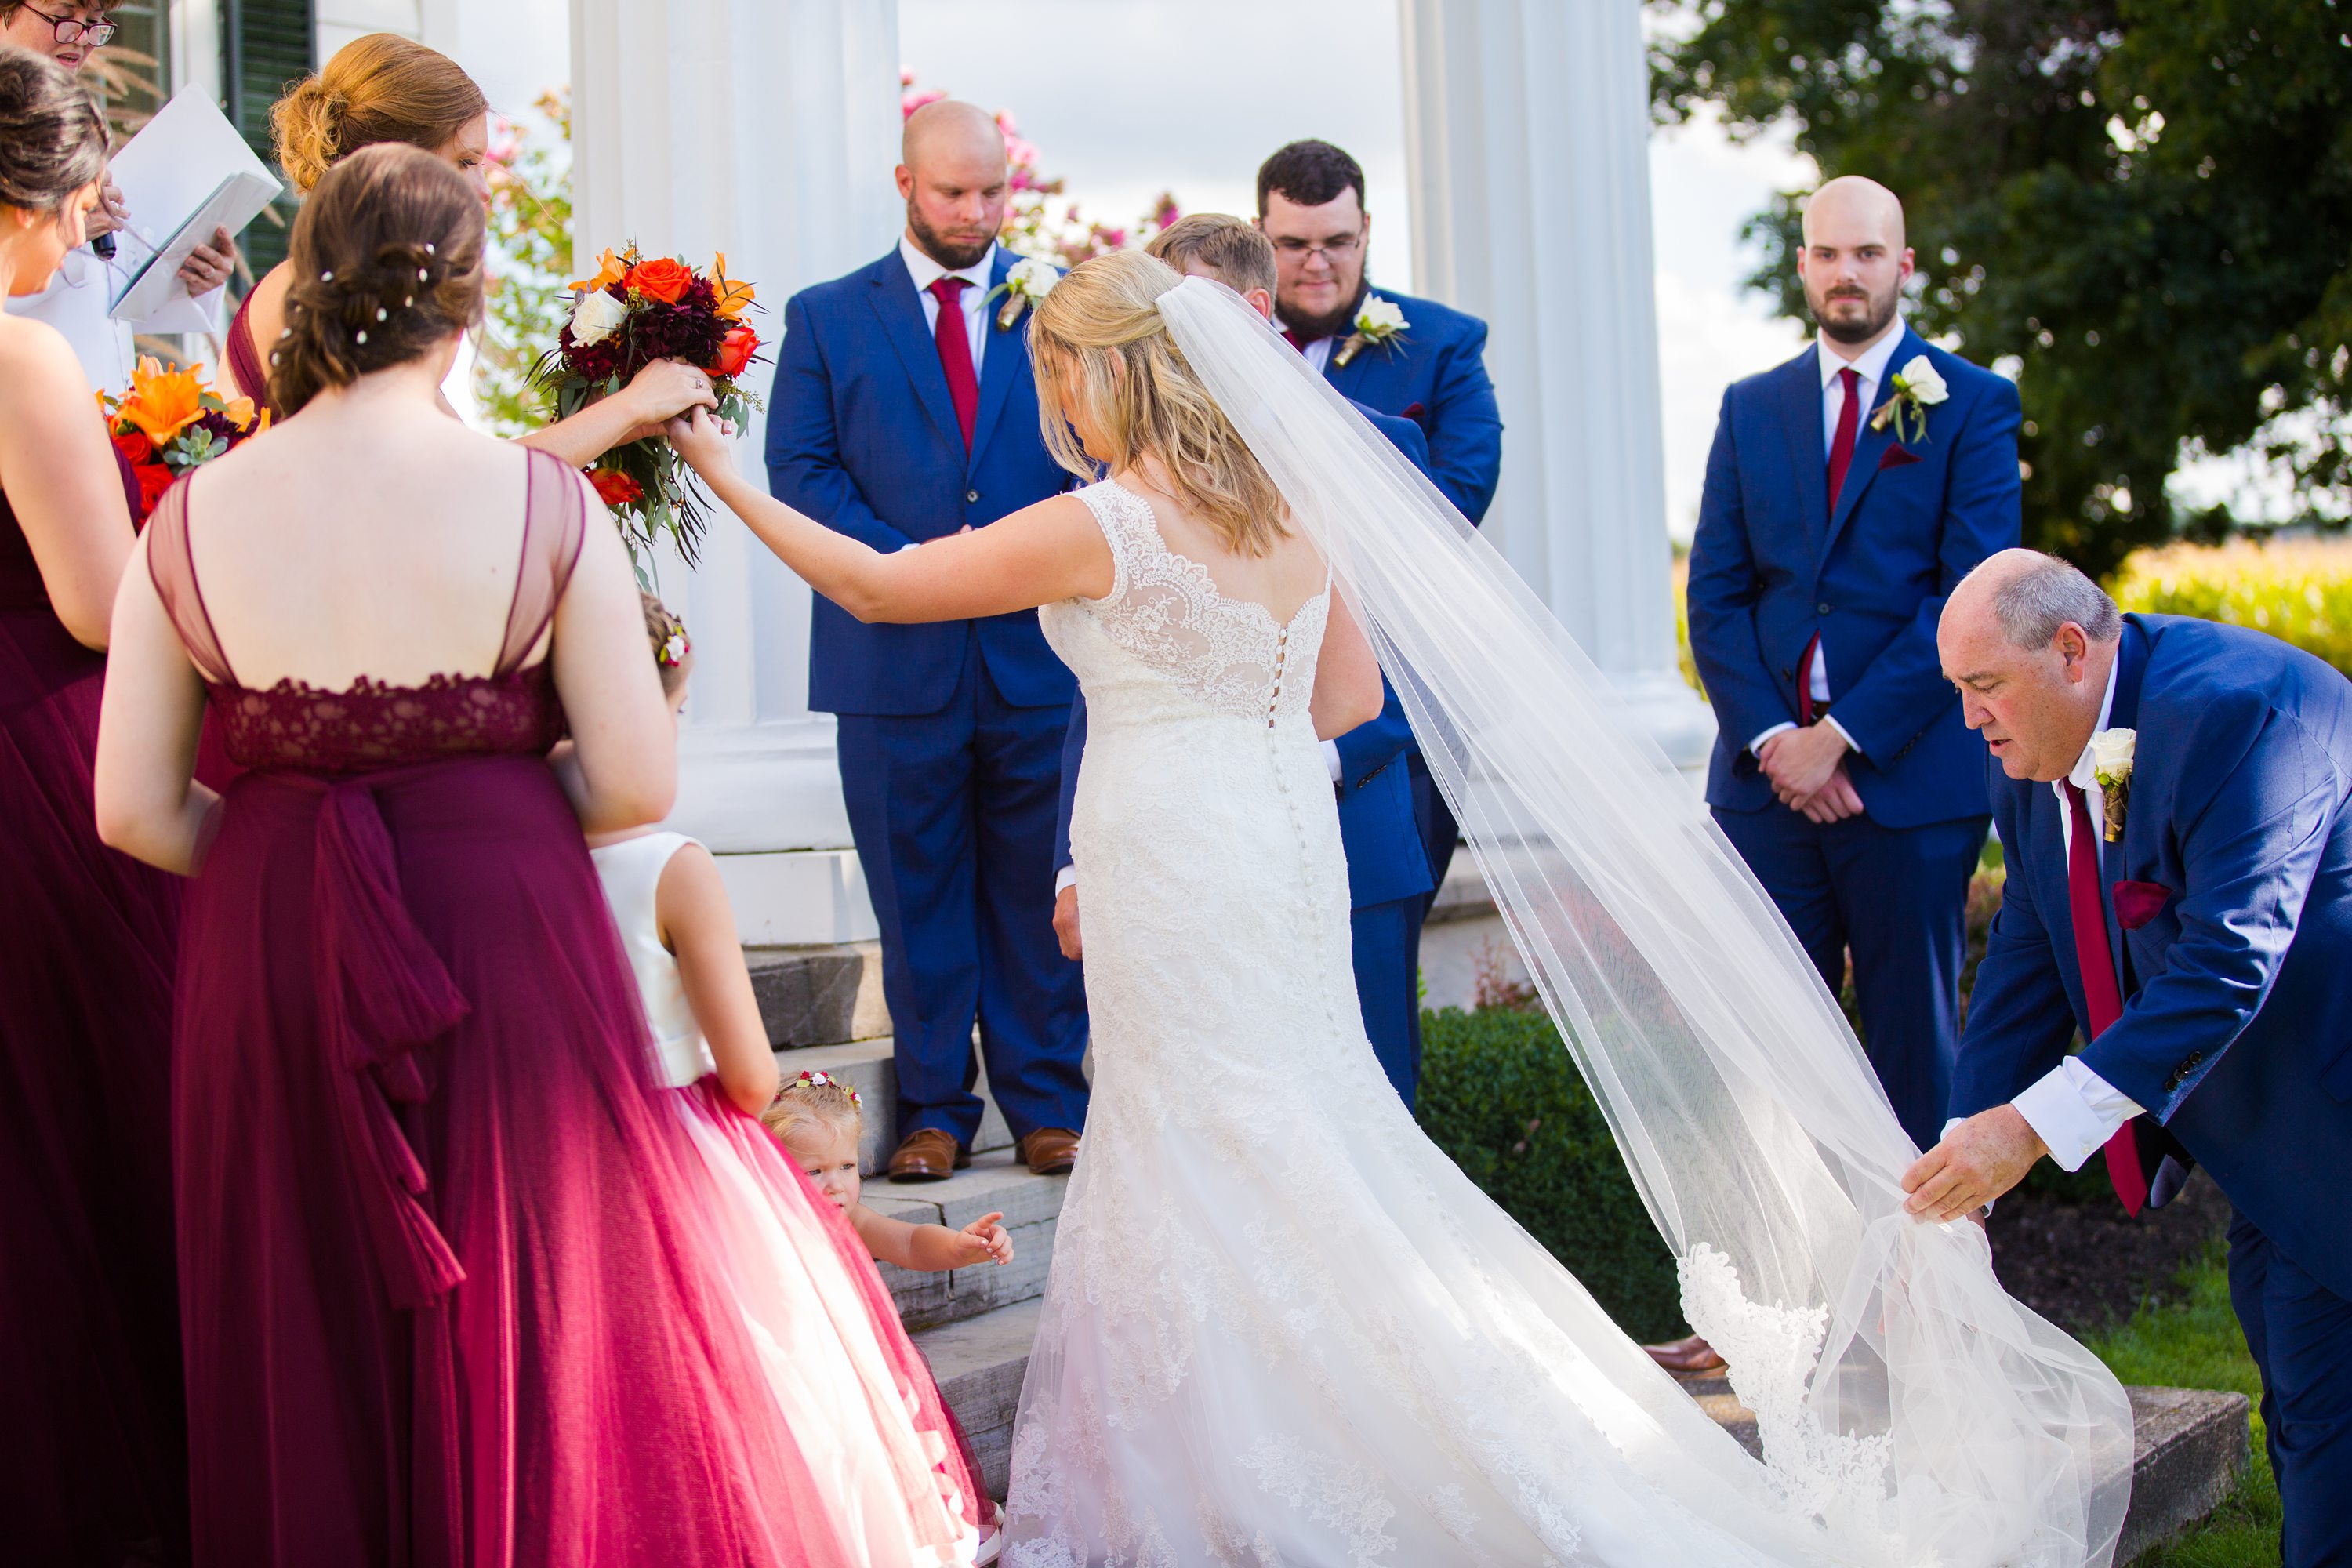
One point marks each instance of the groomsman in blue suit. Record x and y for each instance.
(1408, 358)
(1387, 870)
(1846, 493)
(2172, 797)
(904, 410)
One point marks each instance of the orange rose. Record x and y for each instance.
(734, 351)
(615, 488)
(660, 279)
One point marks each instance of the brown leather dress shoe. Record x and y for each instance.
(927, 1154)
(1050, 1151)
(1686, 1357)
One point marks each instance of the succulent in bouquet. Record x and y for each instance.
(171, 422)
(637, 311)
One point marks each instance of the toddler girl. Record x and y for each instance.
(818, 1119)
(855, 1392)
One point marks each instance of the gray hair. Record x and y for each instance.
(2045, 595)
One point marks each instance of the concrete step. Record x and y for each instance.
(819, 996)
(995, 1183)
(865, 1066)
(2190, 1447)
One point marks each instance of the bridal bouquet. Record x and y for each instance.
(170, 421)
(634, 311)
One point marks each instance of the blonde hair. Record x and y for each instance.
(380, 88)
(803, 1104)
(1101, 326)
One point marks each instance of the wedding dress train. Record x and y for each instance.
(1281, 1328)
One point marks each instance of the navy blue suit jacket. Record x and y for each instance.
(862, 436)
(2237, 1026)
(1773, 564)
(1385, 859)
(1434, 373)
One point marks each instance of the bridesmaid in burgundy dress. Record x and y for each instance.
(446, 1297)
(92, 1452)
(384, 88)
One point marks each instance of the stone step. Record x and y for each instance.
(2190, 1447)
(865, 1066)
(819, 996)
(995, 1183)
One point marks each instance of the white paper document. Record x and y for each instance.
(186, 174)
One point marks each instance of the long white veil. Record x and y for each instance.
(1905, 1401)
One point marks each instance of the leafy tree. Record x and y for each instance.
(530, 270)
(2144, 206)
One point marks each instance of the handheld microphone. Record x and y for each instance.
(103, 246)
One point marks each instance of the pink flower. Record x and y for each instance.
(915, 101)
(906, 76)
(1019, 154)
(1005, 123)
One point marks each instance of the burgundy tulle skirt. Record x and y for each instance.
(446, 1293)
(92, 1459)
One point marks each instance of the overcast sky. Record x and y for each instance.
(1127, 98)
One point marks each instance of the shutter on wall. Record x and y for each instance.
(266, 46)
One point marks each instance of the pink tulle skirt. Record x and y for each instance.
(854, 1391)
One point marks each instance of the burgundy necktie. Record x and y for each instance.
(1841, 444)
(955, 352)
(1294, 339)
(1840, 454)
(2102, 997)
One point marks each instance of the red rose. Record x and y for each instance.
(134, 447)
(660, 279)
(616, 488)
(734, 351)
(154, 479)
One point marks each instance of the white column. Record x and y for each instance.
(766, 129)
(1527, 149)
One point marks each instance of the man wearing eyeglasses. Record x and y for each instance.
(76, 302)
(1421, 361)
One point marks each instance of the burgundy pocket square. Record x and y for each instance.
(2136, 903)
(1897, 458)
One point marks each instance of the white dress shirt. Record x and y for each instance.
(76, 304)
(1870, 369)
(974, 299)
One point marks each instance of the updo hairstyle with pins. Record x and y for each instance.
(381, 88)
(52, 142)
(386, 265)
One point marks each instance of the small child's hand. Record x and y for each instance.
(986, 1238)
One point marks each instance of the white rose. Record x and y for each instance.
(2111, 751)
(1919, 378)
(1033, 277)
(1379, 315)
(596, 317)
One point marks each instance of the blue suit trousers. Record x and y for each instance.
(952, 813)
(2300, 1332)
(1388, 987)
(1897, 897)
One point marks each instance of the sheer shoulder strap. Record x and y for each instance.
(1125, 518)
(554, 517)
(172, 567)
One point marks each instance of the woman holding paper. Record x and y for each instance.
(93, 1458)
(386, 88)
(76, 299)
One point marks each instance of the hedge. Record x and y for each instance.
(1500, 1096)
(2299, 590)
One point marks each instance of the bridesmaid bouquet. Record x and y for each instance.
(634, 311)
(171, 422)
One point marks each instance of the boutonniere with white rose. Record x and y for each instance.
(2111, 764)
(1917, 388)
(1377, 320)
(1029, 281)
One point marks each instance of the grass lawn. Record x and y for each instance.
(2194, 1341)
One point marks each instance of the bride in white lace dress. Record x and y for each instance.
(1281, 1328)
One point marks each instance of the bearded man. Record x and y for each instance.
(904, 410)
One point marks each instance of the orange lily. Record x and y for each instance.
(239, 412)
(610, 270)
(161, 402)
(733, 297)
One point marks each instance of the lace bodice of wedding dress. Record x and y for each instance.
(1281, 1327)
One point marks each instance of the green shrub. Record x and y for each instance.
(1500, 1095)
(2299, 590)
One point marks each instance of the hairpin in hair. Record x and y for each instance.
(824, 1080)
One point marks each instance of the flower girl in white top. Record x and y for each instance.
(852, 1385)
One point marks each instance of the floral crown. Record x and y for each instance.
(672, 653)
(824, 1080)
